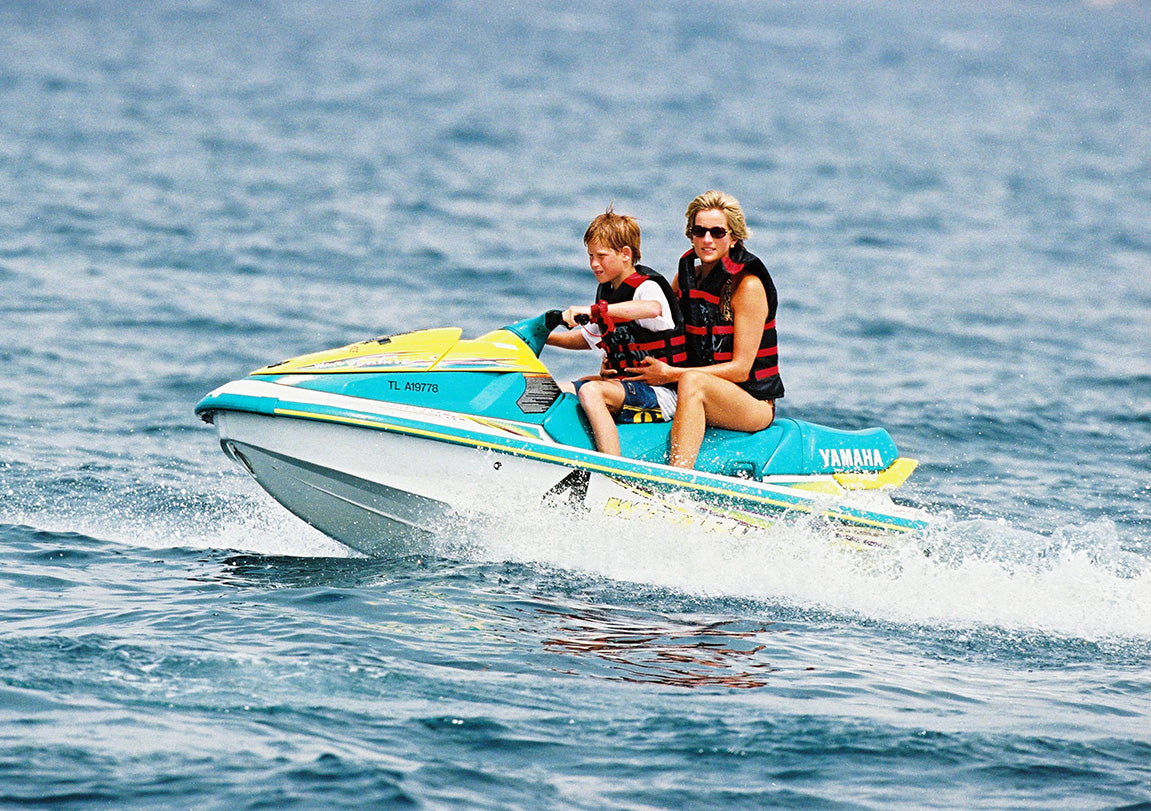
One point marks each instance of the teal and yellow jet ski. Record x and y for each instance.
(386, 443)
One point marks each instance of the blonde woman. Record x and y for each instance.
(728, 301)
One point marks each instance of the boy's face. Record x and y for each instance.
(609, 265)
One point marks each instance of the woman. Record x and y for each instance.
(728, 302)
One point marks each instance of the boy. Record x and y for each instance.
(635, 315)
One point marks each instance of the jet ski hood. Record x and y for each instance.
(430, 350)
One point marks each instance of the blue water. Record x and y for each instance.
(954, 200)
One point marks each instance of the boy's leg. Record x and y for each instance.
(572, 386)
(601, 399)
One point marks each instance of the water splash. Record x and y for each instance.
(235, 516)
(1077, 582)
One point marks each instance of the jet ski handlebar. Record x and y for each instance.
(534, 331)
(555, 318)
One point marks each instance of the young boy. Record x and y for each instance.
(635, 315)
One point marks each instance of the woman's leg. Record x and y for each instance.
(601, 399)
(709, 400)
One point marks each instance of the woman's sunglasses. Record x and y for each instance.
(716, 232)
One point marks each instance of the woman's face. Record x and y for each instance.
(708, 247)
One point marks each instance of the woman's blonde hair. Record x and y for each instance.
(724, 202)
(616, 231)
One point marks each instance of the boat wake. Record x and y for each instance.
(1079, 581)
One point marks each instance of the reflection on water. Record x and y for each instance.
(680, 654)
(610, 642)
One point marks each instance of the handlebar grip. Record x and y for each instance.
(552, 319)
(582, 319)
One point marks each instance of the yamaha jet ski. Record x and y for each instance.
(386, 443)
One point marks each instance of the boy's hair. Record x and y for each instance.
(615, 231)
(725, 203)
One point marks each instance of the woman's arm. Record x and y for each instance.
(749, 313)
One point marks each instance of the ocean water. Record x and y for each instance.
(954, 200)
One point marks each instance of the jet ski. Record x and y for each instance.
(387, 443)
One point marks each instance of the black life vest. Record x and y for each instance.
(708, 320)
(626, 342)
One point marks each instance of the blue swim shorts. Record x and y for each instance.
(643, 402)
(639, 404)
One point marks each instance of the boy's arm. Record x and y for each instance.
(573, 339)
(635, 310)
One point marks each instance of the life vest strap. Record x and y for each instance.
(601, 317)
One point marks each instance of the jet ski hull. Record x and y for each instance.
(386, 479)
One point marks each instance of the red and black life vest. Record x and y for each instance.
(626, 342)
(708, 321)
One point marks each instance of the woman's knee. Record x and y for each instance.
(692, 386)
